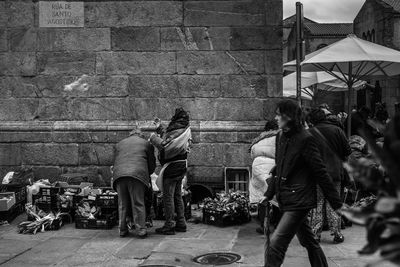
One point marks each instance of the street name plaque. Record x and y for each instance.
(61, 14)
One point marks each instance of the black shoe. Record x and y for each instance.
(260, 230)
(165, 231)
(181, 229)
(123, 234)
(338, 238)
(142, 233)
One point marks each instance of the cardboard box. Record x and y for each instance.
(7, 200)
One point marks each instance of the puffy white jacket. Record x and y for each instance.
(263, 156)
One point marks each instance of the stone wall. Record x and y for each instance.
(67, 95)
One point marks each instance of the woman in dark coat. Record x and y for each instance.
(299, 168)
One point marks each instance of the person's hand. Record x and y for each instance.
(344, 207)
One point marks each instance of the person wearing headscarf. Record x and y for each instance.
(173, 144)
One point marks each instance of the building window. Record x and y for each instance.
(321, 46)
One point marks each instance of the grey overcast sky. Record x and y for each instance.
(325, 10)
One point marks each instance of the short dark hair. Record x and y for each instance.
(293, 112)
(271, 125)
(316, 115)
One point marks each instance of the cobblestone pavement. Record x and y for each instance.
(72, 247)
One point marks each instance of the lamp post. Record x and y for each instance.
(299, 48)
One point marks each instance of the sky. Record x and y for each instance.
(325, 10)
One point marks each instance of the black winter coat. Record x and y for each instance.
(299, 168)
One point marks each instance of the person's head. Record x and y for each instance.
(316, 116)
(324, 107)
(289, 115)
(364, 112)
(136, 131)
(271, 125)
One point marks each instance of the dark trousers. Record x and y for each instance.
(173, 203)
(131, 201)
(293, 223)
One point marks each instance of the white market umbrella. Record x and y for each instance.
(355, 59)
(306, 93)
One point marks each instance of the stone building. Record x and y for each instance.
(316, 36)
(68, 94)
(378, 21)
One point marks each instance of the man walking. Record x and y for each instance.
(299, 168)
(134, 161)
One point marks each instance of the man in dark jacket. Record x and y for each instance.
(134, 161)
(299, 168)
(335, 149)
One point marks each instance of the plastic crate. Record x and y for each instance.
(47, 199)
(18, 189)
(107, 202)
(12, 213)
(221, 218)
(104, 222)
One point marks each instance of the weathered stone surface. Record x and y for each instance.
(274, 12)
(79, 137)
(20, 13)
(72, 63)
(22, 39)
(199, 86)
(221, 62)
(52, 109)
(237, 155)
(249, 38)
(18, 109)
(133, 13)
(49, 154)
(274, 85)
(269, 107)
(21, 63)
(99, 109)
(224, 13)
(195, 38)
(3, 38)
(99, 175)
(14, 137)
(96, 154)
(238, 110)
(244, 86)
(47, 172)
(205, 174)
(17, 87)
(206, 155)
(273, 62)
(135, 39)
(247, 137)
(218, 137)
(274, 37)
(198, 108)
(147, 86)
(3, 14)
(55, 39)
(10, 154)
(135, 63)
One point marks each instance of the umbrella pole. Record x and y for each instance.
(350, 99)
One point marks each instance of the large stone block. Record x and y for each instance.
(224, 13)
(218, 137)
(83, 39)
(269, 107)
(10, 154)
(15, 137)
(220, 62)
(199, 108)
(239, 110)
(247, 137)
(18, 109)
(20, 13)
(237, 155)
(273, 62)
(21, 63)
(17, 87)
(51, 109)
(22, 39)
(96, 154)
(99, 109)
(274, 37)
(49, 154)
(274, 85)
(274, 12)
(70, 63)
(145, 108)
(195, 38)
(248, 38)
(99, 175)
(249, 86)
(3, 14)
(199, 86)
(3, 38)
(133, 13)
(135, 39)
(206, 155)
(135, 63)
(205, 174)
(79, 137)
(147, 86)
(52, 173)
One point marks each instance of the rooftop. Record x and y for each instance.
(395, 4)
(329, 29)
